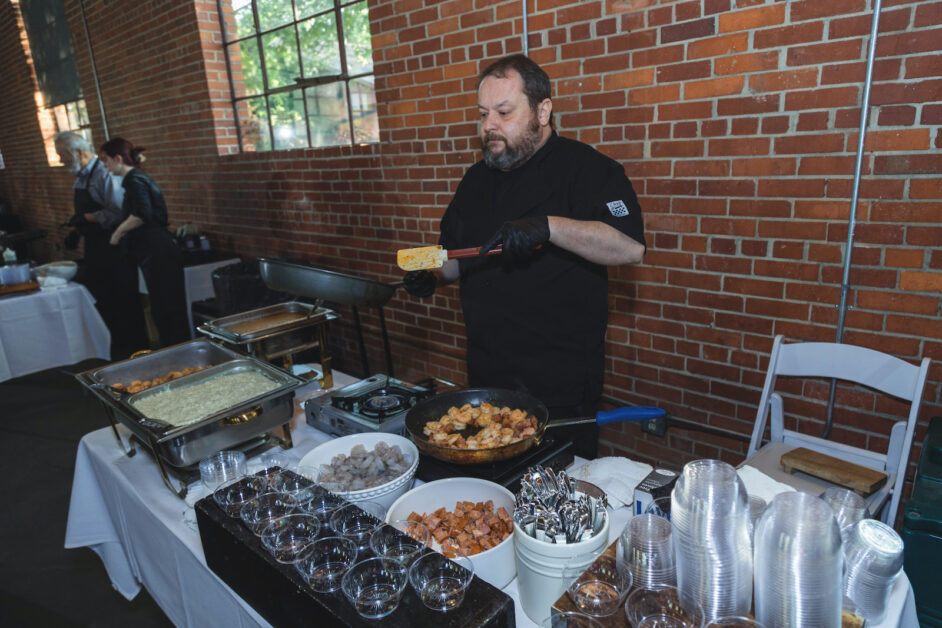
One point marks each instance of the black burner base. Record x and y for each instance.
(507, 473)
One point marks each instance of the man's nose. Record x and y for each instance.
(489, 122)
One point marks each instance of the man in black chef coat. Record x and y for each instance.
(109, 273)
(536, 315)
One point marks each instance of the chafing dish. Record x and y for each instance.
(277, 331)
(178, 449)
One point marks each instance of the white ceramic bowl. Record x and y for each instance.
(497, 565)
(65, 269)
(384, 494)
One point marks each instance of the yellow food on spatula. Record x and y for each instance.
(422, 258)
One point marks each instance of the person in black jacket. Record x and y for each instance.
(144, 232)
(109, 273)
(536, 316)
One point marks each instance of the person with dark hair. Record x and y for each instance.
(536, 316)
(144, 230)
(108, 272)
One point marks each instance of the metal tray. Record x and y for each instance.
(324, 284)
(200, 352)
(281, 318)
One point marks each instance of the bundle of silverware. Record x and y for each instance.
(551, 508)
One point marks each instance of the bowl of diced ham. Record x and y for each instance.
(372, 466)
(466, 516)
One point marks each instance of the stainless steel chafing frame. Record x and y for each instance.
(217, 431)
(310, 331)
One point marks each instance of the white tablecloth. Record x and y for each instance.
(49, 328)
(121, 509)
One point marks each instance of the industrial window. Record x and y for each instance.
(301, 72)
(59, 102)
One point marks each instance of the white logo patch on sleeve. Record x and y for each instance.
(618, 208)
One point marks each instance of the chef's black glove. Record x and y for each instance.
(72, 240)
(420, 283)
(520, 237)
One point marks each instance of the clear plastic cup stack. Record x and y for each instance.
(848, 507)
(647, 551)
(710, 532)
(874, 558)
(798, 563)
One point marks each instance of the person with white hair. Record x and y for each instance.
(108, 272)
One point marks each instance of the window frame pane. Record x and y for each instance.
(277, 83)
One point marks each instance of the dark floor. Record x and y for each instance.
(41, 583)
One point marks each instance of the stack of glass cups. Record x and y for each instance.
(647, 552)
(874, 558)
(798, 563)
(848, 507)
(710, 531)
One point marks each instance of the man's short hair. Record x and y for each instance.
(73, 142)
(536, 83)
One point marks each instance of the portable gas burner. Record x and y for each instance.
(375, 404)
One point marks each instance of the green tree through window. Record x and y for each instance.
(301, 72)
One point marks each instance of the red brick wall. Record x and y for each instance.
(737, 121)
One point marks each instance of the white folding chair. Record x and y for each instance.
(866, 367)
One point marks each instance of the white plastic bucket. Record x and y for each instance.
(540, 568)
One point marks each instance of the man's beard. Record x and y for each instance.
(513, 155)
(75, 167)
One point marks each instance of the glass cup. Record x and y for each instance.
(232, 497)
(401, 540)
(599, 589)
(260, 512)
(357, 522)
(320, 503)
(441, 582)
(287, 537)
(660, 507)
(374, 586)
(570, 619)
(221, 468)
(324, 562)
(661, 601)
(291, 483)
(280, 459)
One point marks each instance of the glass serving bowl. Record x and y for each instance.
(401, 540)
(441, 582)
(357, 522)
(599, 589)
(324, 562)
(261, 511)
(374, 586)
(232, 497)
(287, 537)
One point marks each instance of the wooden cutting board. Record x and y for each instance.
(20, 287)
(862, 480)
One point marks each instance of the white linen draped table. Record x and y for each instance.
(49, 328)
(121, 509)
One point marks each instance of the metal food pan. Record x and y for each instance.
(264, 322)
(324, 284)
(201, 353)
(282, 379)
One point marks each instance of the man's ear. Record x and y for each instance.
(544, 111)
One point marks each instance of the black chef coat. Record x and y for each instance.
(158, 255)
(539, 325)
(110, 275)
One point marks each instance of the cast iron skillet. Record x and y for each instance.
(433, 408)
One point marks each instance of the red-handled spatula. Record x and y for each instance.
(431, 257)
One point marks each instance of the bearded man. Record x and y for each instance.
(536, 315)
(107, 271)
